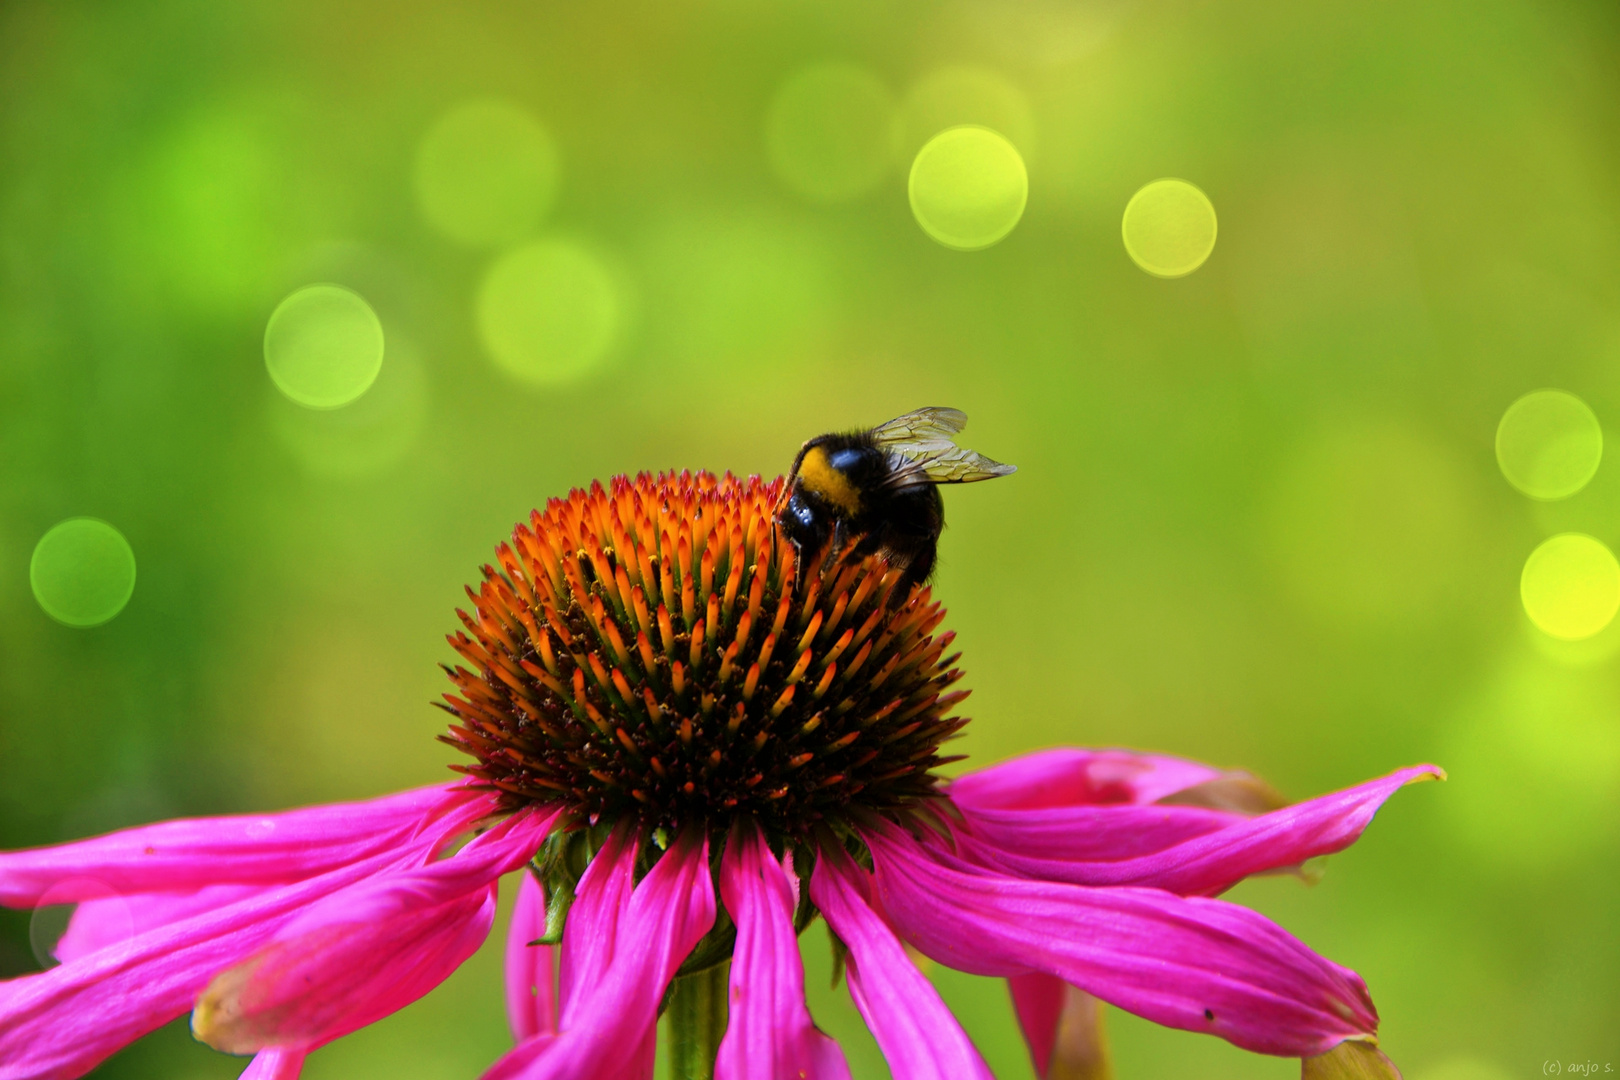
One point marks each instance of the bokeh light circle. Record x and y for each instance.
(54, 934)
(1571, 586)
(831, 132)
(968, 187)
(1549, 444)
(486, 173)
(1169, 228)
(549, 312)
(366, 438)
(82, 572)
(323, 346)
(951, 96)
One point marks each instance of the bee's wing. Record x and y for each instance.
(928, 454)
(923, 428)
(959, 465)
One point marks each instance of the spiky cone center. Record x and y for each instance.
(654, 650)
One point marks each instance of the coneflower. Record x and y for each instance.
(698, 741)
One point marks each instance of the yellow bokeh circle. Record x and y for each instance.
(968, 187)
(1549, 444)
(1571, 586)
(323, 346)
(1169, 228)
(549, 312)
(486, 173)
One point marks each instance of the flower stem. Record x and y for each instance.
(697, 1020)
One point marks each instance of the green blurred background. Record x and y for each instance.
(1258, 519)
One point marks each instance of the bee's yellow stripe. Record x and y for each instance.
(818, 475)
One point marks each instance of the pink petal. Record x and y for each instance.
(97, 924)
(367, 951)
(1062, 1025)
(919, 1037)
(1070, 776)
(499, 850)
(614, 1017)
(179, 856)
(276, 1064)
(1038, 1001)
(1103, 833)
(592, 931)
(770, 1035)
(60, 1023)
(1199, 865)
(1197, 964)
(531, 970)
(307, 991)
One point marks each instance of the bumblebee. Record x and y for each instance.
(880, 489)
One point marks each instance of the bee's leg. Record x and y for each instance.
(920, 568)
(869, 543)
(836, 545)
(798, 562)
(914, 557)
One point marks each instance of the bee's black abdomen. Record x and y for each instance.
(908, 531)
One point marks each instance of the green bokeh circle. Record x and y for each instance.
(1570, 586)
(1549, 444)
(1169, 228)
(549, 312)
(486, 173)
(968, 187)
(323, 346)
(82, 572)
(830, 132)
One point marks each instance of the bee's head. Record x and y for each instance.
(832, 471)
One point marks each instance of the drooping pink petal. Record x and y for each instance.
(276, 1064)
(1071, 776)
(919, 1037)
(591, 933)
(1062, 1025)
(363, 953)
(499, 850)
(1103, 833)
(610, 1027)
(1199, 865)
(60, 1023)
(96, 924)
(1191, 963)
(306, 991)
(1038, 1002)
(178, 856)
(770, 1035)
(531, 970)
